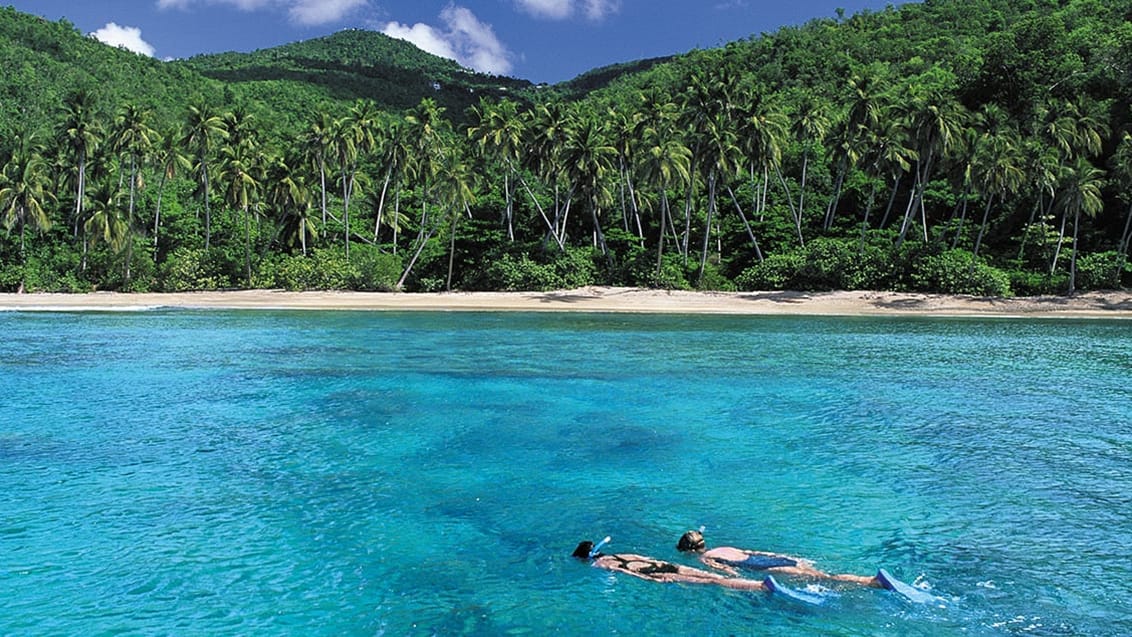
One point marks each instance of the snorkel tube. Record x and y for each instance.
(597, 547)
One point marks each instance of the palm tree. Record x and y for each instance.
(239, 169)
(106, 222)
(666, 161)
(498, 134)
(1080, 192)
(625, 129)
(81, 133)
(718, 156)
(546, 127)
(456, 186)
(933, 118)
(317, 143)
(998, 167)
(1122, 165)
(203, 127)
(587, 159)
(134, 137)
(762, 129)
(428, 129)
(289, 197)
(353, 137)
(168, 157)
(811, 123)
(393, 152)
(23, 190)
(1075, 129)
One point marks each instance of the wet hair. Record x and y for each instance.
(582, 552)
(691, 541)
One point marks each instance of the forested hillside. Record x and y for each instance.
(351, 65)
(976, 147)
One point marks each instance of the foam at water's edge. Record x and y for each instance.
(85, 308)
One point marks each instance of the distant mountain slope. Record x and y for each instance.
(356, 64)
(44, 61)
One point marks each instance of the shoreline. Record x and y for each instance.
(1109, 305)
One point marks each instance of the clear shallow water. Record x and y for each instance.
(184, 472)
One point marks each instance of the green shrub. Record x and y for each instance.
(776, 272)
(573, 268)
(1099, 271)
(1026, 283)
(189, 269)
(377, 271)
(951, 272)
(671, 276)
(714, 280)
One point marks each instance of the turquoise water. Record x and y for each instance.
(273, 473)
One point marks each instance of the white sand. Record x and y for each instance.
(602, 299)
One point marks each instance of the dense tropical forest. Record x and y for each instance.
(965, 146)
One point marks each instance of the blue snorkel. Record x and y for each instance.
(597, 547)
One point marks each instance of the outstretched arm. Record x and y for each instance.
(719, 566)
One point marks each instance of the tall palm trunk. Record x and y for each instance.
(707, 228)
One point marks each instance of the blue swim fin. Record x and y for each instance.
(804, 597)
(905, 590)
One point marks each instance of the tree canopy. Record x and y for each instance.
(950, 146)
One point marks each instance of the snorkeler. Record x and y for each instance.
(730, 559)
(659, 571)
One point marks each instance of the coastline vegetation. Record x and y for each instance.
(978, 147)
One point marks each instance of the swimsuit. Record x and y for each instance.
(650, 568)
(762, 562)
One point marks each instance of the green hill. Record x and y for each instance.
(350, 65)
(43, 61)
(977, 146)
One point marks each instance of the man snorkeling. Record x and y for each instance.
(730, 560)
(658, 570)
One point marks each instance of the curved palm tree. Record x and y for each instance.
(393, 152)
(168, 158)
(353, 138)
(80, 132)
(1122, 165)
(498, 134)
(587, 158)
(240, 164)
(106, 222)
(934, 118)
(666, 161)
(134, 137)
(290, 199)
(547, 129)
(429, 130)
(998, 167)
(24, 190)
(1080, 192)
(762, 128)
(204, 126)
(317, 143)
(810, 125)
(718, 161)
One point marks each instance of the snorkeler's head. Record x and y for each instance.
(584, 549)
(691, 541)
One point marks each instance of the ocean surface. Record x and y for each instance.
(178, 472)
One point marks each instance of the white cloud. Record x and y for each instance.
(129, 38)
(464, 39)
(302, 12)
(563, 9)
(423, 36)
(313, 12)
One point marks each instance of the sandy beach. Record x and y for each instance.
(1115, 305)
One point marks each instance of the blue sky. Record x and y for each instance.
(537, 40)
